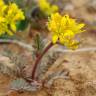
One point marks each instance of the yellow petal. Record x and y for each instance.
(2, 19)
(9, 33)
(54, 8)
(61, 40)
(13, 27)
(56, 17)
(69, 34)
(80, 26)
(54, 38)
(73, 44)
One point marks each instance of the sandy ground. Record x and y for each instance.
(81, 81)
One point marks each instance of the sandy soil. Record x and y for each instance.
(81, 81)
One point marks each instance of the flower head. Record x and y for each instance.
(13, 15)
(46, 7)
(9, 15)
(3, 7)
(64, 30)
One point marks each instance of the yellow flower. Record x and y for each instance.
(1, 2)
(64, 30)
(14, 14)
(9, 15)
(3, 7)
(17, 14)
(46, 7)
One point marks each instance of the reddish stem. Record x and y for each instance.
(39, 59)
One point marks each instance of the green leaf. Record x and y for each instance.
(38, 43)
(22, 25)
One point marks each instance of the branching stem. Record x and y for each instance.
(39, 59)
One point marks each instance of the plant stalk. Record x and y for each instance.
(39, 59)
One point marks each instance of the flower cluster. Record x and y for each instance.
(64, 30)
(46, 7)
(9, 15)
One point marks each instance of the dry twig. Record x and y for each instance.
(24, 45)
